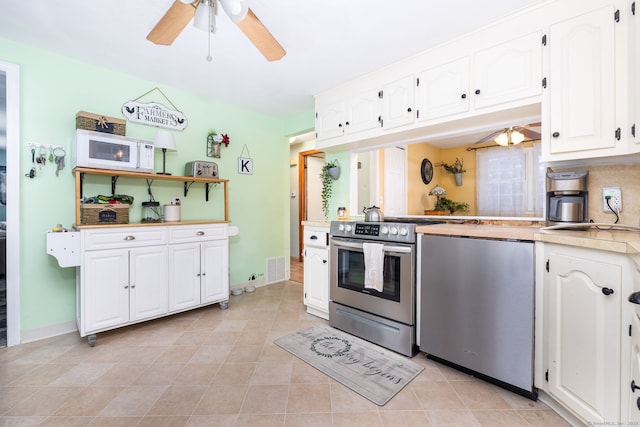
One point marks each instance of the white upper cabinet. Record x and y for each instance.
(398, 102)
(583, 117)
(355, 111)
(363, 111)
(508, 72)
(443, 90)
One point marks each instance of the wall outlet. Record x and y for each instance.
(615, 199)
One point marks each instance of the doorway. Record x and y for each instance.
(309, 187)
(10, 224)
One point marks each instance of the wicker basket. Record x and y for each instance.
(100, 123)
(95, 214)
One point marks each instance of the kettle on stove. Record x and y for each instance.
(373, 214)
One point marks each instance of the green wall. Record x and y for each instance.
(54, 88)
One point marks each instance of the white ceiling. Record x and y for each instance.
(327, 42)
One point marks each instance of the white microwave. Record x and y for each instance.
(106, 151)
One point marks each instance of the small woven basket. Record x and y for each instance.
(100, 123)
(94, 214)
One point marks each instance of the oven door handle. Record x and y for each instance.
(387, 248)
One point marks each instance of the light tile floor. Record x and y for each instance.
(212, 367)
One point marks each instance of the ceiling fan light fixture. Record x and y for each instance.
(502, 139)
(516, 137)
(236, 9)
(204, 18)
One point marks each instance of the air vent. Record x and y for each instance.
(275, 270)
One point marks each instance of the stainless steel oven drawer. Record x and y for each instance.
(387, 333)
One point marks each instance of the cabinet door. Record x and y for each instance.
(316, 278)
(581, 83)
(398, 103)
(443, 90)
(184, 276)
(508, 72)
(584, 335)
(148, 282)
(215, 271)
(330, 120)
(363, 112)
(105, 289)
(634, 397)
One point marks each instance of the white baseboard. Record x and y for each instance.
(559, 409)
(49, 331)
(258, 283)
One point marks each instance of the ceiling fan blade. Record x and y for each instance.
(261, 38)
(530, 134)
(172, 23)
(490, 137)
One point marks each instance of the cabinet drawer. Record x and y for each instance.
(197, 233)
(123, 238)
(317, 239)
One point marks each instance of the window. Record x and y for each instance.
(510, 181)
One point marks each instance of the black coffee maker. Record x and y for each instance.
(567, 197)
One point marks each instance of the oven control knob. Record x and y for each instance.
(341, 227)
(394, 230)
(348, 228)
(384, 230)
(403, 232)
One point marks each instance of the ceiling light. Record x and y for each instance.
(509, 136)
(204, 18)
(502, 139)
(516, 137)
(236, 9)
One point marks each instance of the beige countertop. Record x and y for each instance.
(324, 224)
(475, 230)
(627, 242)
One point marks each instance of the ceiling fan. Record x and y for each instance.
(513, 135)
(182, 11)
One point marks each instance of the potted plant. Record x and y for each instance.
(329, 173)
(457, 169)
(451, 205)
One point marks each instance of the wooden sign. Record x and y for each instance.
(154, 114)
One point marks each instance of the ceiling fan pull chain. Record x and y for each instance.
(211, 28)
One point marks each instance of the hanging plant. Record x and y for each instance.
(456, 167)
(329, 173)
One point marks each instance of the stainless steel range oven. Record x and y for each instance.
(386, 315)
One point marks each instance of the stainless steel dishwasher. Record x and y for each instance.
(477, 307)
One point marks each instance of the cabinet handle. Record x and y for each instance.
(130, 238)
(324, 261)
(634, 298)
(464, 96)
(607, 291)
(204, 274)
(200, 233)
(126, 286)
(555, 134)
(133, 286)
(634, 387)
(339, 125)
(198, 275)
(477, 91)
(346, 123)
(409, 110)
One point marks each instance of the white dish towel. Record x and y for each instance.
(373, 265)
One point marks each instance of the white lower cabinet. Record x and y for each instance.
(131, 274)
(584, 297)
(316, 272)
(197, 274)
(126, 285)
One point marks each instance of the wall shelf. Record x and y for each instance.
(187, 180)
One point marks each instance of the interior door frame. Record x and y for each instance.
(302, 190)
(12, 72)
